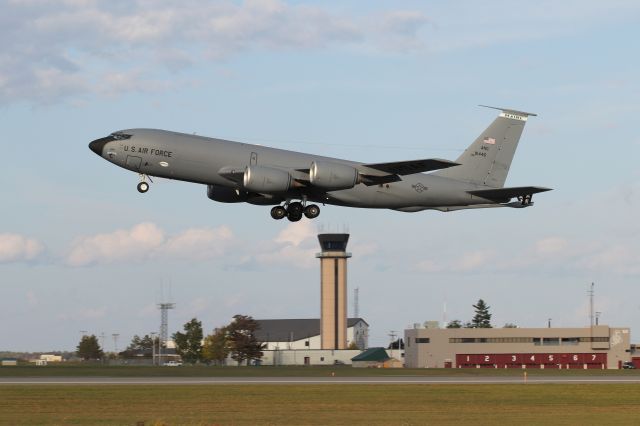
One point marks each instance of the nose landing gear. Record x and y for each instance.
(294, 211)
(143, 186)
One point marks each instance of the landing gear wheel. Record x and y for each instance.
(294, 212)
(278, 212)
(312, 211)
(143, 187)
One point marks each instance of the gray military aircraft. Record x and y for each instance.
(237, 172)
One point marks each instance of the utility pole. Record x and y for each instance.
(591, 294)
(392, 335)
(115, 342)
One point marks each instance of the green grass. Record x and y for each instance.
(560, 404)
(84, 370)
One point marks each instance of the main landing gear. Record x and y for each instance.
(294, 211)
(525, 200)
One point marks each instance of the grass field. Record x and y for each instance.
(83, 370)
(321, 405)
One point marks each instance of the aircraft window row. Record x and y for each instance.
(120, 136)
(538, 341)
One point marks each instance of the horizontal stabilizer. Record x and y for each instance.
(502, 195)
(513, 112)
(411, 167)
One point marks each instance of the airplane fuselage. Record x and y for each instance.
(199, 159)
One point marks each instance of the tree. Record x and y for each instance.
(89, 348)
(242, 340)
(454, 324)
(144, 343)
(482, 318)
(216, 346)
(510, 325)
(398, 342)
(353, 346)
(189, 343)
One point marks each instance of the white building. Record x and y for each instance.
(286, 334)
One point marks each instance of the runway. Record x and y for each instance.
(397, 380)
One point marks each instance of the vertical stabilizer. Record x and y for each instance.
(487, 160)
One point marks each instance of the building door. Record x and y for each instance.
(134, 162)
(448, 364)
(307, 360)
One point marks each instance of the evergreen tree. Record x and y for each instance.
(189, 343)
(89, 348)
(482, 318)
(216, 346)
(242, 340)
(454, 324)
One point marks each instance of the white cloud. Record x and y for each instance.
(133, 244)
(147, 241)
(294, 246)
(32, 299)
(53, 50)
(18, 248)
(551, 245)
(296, 233)
(198, 243)
(618, 258)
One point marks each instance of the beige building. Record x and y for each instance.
(562, 348)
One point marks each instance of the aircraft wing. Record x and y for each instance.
(502, 195)
(410, 167)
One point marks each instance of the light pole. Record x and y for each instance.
(153, 347)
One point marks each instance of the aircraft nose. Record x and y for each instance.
(97, 146)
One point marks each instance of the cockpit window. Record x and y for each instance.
(119, 136)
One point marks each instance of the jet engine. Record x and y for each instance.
(333, 176)
(266, 179)
(226, 195)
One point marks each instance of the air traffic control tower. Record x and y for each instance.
(333, 290)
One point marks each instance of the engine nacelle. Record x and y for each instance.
(266, 179)
(333, 176)
(226, 195)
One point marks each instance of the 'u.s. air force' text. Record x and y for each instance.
(146, 150)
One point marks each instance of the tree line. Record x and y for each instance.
(481, 318)
(236, 339)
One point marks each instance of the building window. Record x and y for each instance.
(422, 340)
(321, 358)
(306, 343)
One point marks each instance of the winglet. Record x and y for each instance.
(510, 113)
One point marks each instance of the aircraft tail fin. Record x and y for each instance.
(487, 160)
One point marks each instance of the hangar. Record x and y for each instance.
(600, 347)
(304, 333)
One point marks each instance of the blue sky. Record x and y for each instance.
(80, 249)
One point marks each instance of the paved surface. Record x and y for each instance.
(400, 380)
